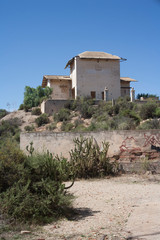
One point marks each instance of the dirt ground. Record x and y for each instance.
(125, 207)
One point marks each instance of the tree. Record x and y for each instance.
(34, 96)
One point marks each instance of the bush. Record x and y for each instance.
(62, 115)
(9, 128)
(157, 112)
(69, 104)
(67, 126)
(85, 107)
(52, 126)
(29, 128)
(130, 114)
(88, 160)
(151, 124)
(3, 113)
(36, 111)
(11, 158)
(42, 119)
(34, 191)
(148, 110)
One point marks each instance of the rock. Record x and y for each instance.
(25, 232)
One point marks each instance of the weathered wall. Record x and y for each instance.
(51, 106)
(61, 89)
(94, 75)
(121, 142)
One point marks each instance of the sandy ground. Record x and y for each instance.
(126, 207)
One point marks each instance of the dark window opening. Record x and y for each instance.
(93, 94)
(102, 95)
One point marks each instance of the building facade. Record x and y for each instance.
(92, 74)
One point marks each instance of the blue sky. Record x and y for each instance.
(38, 37)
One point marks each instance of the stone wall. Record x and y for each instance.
(132, 148)
(51, 106)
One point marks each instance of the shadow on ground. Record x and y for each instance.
(81, 213)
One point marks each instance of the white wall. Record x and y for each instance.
(73, 75)
(92, 75)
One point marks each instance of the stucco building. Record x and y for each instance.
(93, 74)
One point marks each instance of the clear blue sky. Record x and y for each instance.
(38, 37)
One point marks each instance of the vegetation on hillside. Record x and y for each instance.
(3, 113)
(34, 96)
(124, 115)
(32, 187)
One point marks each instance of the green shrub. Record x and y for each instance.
(3, 113)
(21, 107)
(148, 110)
(52, 126)
(88, 160)
(9, 127)
(78, 122)
(79, 128)
(86, 110)
(36, 192)
(29, 128)
(151, 124)
(130, 114)
(42, 119)
(36, 111)
(11, 158)
(84, 105)
(67, 126)
(157, 114)
(62, 115)
(69, 104)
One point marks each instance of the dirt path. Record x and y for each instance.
(118, 208)
(126, 207)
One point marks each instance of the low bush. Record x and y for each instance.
(157, 113)
(52, 126)
(10, 129)
(42, 119)
(151, 124)
(148, 110)
(3, 113)
(29, 128)
(67, 126)
(62, 115)
(11, 158)
(89, 160)
(36, 111)
(32, 188)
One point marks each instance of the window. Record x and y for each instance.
(93, 94)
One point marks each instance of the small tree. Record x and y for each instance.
(34, 96)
